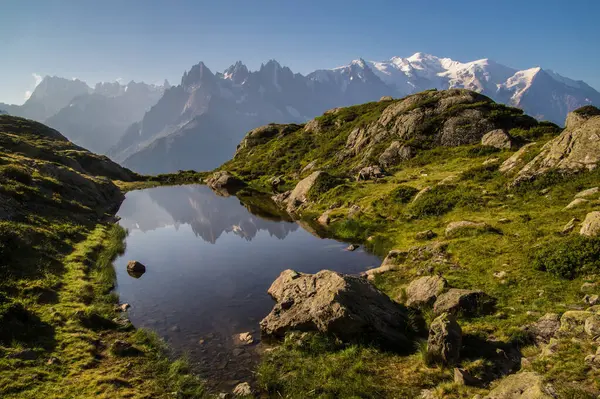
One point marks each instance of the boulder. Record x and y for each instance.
(463, 377)
(577, 202)
(394, 258)
(545, 328)
(324, 219)
(422, 192)
(386, 98)
(590, 192)
(395, 154)
(425, 290)
(444, 341)
(498, 138)
(570, 226)
(466, 227)
(309, 166)
(592, 326)
(576, 149)
(348, 307)
(524, 385)
(517, 160)
(572, 322)
(425, 235)
(370, 173)
(135, 267)
(223, 180)
(591, 224)
(263, 134)
(243, 389)
(299, 194)
(465, 302)
(591, 300)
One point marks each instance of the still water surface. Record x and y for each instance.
(209, 264)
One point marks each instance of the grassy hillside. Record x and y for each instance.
(58, 323)
(522, 258)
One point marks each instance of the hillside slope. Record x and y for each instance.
(59, 333)
(454, 208)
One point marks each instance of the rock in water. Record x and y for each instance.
(466, 302)
(445, 340)
(498, 138)
(223, 180)
(424, 291)
(591, 225)
(348, 307)
(525, 385)
(134, 266)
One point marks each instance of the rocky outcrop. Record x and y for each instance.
(396, 153)
(576, 149)
(300, 194)
(572, 323)
(444, 341)
(263, 134)
(591, 224)
(592, 326)
(465, 302)
(370, 173)
(524, 385)
(394, 258)
(517, 160)
(498, 138)
(347, 307)
(223, 180)
(425, 290)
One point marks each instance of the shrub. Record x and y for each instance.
(403, 194)
(569, 257)
(480, 173)
(15, 172)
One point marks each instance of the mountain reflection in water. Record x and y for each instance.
(200, 293)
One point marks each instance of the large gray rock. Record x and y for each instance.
(348, 307)
(591, 224)
(517, 160)
(590, 192)
(370, 173)
(444, 341)
(498, 138)
(524, 385)
(395, 154)
(465, 302)
(545, 328)
(576, 149)
(424, 291)
(224, 180)
(299, 194)
(592, 326)
(572, 323)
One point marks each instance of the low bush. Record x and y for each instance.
(480, 173)
(15, 172)
(569, 257)
(403, 194)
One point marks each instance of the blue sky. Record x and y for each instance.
(153, 40)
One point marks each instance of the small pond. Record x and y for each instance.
(210, 261)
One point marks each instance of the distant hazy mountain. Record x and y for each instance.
(197, 124)
(93, 118)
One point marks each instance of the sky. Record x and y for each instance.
(146, 40)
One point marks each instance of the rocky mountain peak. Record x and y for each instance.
(237, 73)
(198, 75)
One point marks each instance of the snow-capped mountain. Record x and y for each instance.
(540, 93)
(94, 118)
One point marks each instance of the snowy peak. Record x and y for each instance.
(237, 73)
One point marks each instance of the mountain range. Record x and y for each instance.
(198, 123)
(94, 118)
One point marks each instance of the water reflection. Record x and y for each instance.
(201, 293)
